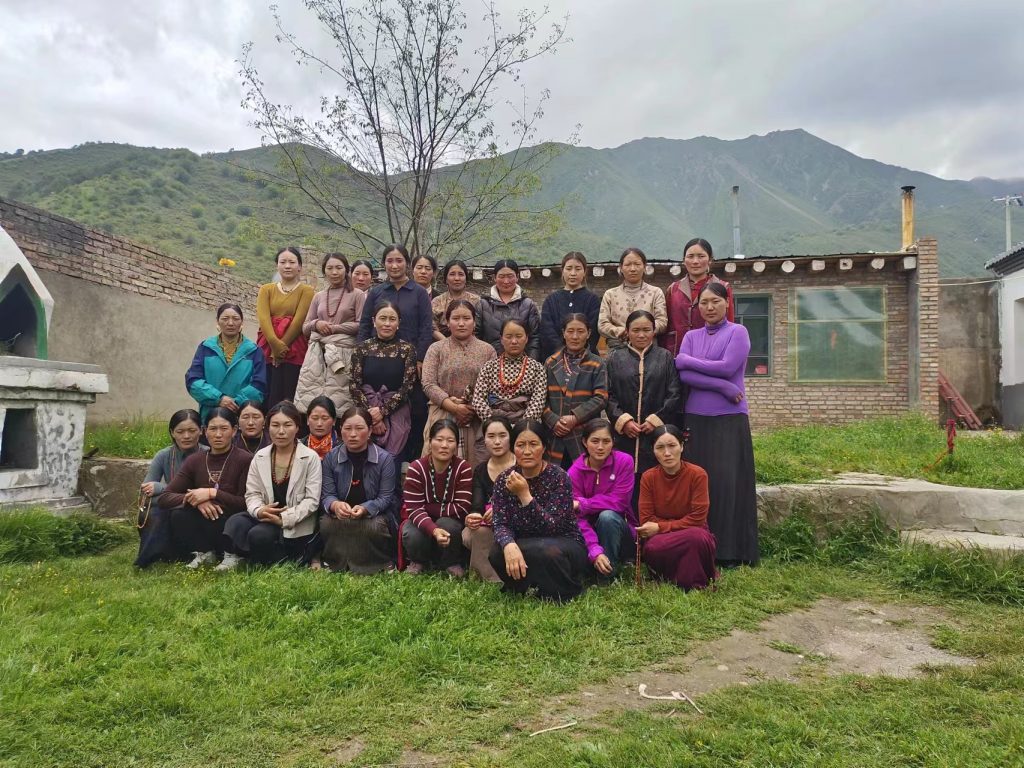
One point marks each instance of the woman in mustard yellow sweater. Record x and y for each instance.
(281, 307)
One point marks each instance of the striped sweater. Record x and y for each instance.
(429, 496)
(582, 393)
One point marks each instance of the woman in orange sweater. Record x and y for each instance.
(678, 546)
(281, 307)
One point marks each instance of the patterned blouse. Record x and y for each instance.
(451, 367)
(505, 378)
(550, 513)
(620, 302)
(383, 363)
(439, 307)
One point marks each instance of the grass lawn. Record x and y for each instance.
(103, 665)
(904, 447)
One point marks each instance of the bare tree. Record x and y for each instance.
(406, 149)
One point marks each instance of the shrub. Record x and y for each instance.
(34, 534)
(243, 210)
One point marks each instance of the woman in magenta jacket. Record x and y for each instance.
(602, 489)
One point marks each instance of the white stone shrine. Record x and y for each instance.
(42, 402)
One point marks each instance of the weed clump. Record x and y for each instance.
(31, 535)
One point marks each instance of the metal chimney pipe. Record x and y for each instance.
(736, 249)
(908, 217)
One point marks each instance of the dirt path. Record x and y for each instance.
(830, 638)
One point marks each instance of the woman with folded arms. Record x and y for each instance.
(360, 501)
(577, 390)
(512, 385)
(282, 495)
(437, 494)
(208, 489)
(537, 542)
(678, 547)
(602, 491)
(478, 535)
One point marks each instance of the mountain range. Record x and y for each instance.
(799, 195)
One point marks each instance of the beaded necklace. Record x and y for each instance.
(214, 477)
(431, 490)
(245, 442)
(273, 466)
(332, 312)
(510, 388)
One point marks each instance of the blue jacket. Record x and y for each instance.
(210, 377)
(416, 324)
(380, 482)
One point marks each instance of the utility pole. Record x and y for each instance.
(1007, 201)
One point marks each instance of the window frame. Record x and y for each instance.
(794, 333)
(736, 297)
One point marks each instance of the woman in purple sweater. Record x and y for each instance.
(711, 362)
(602, 491)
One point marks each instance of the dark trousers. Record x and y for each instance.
(421, 547)
(418, 416)
(364, 546)
(284, 378)
(191, 532)
(612, 534)
(263, 543)
(554, 567)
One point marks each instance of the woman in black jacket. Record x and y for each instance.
(506, 301)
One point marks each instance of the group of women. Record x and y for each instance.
(540, 475)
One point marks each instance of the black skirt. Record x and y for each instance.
(722, 447)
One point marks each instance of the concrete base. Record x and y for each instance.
(42, 426)
(908, 504)
(61, 507)
(1010, 545)
(1012, 401)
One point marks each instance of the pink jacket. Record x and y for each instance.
(610, 488)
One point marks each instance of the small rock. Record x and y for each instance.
(722, 668)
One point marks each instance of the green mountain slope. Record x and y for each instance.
(799, 195)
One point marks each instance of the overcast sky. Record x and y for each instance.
(934, 85)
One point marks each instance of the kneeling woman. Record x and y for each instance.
(207, 490)
(359, 499)
(438, 492)
(478, 535)
(282, 495)
(602, 489)
(673, 516)
(537, 541)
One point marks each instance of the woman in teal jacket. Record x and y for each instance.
(228, 368)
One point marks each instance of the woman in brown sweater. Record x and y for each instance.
(281, 308)
(207, 490)
(673, 516)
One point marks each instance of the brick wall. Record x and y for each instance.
(55, 244)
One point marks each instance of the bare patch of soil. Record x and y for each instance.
(830, 638)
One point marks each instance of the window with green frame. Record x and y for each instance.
(755, 313)
(837, 334)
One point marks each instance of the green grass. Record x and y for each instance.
(104, 665)
(136, 438)
(28, 535)
(906, 446)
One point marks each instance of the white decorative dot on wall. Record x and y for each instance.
(877, 263)
(524, 274)
(649, 270)
(478, 275)
(845, 264)
(788, 266)
(382, 275)
(546, 272)
(758, 266)
(675, 269)
(730, 267)
(598, 271)
(817, 265)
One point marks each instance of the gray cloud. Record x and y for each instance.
(934, 86)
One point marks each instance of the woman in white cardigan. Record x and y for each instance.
(282, 496)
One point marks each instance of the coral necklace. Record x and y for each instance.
(510, 388)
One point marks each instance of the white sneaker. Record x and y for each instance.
(202, 558)
(230, 562)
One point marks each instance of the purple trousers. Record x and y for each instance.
(686, 558)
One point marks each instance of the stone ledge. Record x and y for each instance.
(912, 504)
